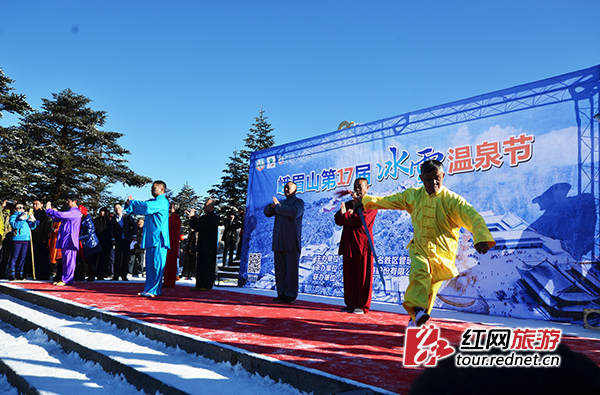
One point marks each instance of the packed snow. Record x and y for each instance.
(46, 366)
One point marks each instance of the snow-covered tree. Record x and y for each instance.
(72, 154)
(13, 142)
(187, 198)
(231, 192)
(9, 101)
(259, 137)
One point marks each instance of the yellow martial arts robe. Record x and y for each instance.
(436, 220)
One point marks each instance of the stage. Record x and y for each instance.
(312, 332)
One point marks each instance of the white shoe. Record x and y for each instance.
(358, 310)
(421, 317)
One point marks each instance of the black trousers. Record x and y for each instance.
(103, 259)
(286, 272)
(41, 255)
(122, 254)
(228, 248)
(205, 270)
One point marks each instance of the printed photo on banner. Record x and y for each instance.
(534, 183)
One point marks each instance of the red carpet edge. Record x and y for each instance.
(301, 377)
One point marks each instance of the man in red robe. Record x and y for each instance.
(170, 274)
(356, 252)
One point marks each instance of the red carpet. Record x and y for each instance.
(366, 348)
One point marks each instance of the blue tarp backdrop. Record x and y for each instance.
(526, 158)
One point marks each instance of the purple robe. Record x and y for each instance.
(68, 239)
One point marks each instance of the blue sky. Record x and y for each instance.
(184, 80)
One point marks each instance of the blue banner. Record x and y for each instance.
(526, 158)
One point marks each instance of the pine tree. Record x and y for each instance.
(187, 199)
(169, 194)
(13, 143)
(259, 137)
(74, 155)
(18, 155)
(231, 192)
(11, 102)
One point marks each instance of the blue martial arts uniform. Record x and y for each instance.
(155, 239)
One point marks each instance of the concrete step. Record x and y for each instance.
(227, 273)
(87, 331)
(231, 269)
(83, 337)
(139, 363)
(33, 364)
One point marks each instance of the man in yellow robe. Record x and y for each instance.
(437, 215)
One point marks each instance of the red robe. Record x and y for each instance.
(173, 252)
(357, 257)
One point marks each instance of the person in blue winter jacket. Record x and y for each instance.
(89, 243)
(22, 224)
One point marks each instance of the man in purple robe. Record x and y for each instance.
(68, 237)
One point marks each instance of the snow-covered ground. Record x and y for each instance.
(44, 362)
(48, 368)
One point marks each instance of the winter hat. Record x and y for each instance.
(83, 209)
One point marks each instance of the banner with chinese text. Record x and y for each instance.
(526, 158)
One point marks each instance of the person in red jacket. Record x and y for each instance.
(173, 253)
(356, 252)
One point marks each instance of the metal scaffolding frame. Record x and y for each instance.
(580, 87)
(569, 87)
(587, 104)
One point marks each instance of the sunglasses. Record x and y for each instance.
(20, 207)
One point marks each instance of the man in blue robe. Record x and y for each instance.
(156, 235)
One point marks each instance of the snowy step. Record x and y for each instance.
(148, 365)
(36, 365)
(298, 377)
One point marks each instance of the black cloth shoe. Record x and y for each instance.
(421, 316)
(279, 298)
